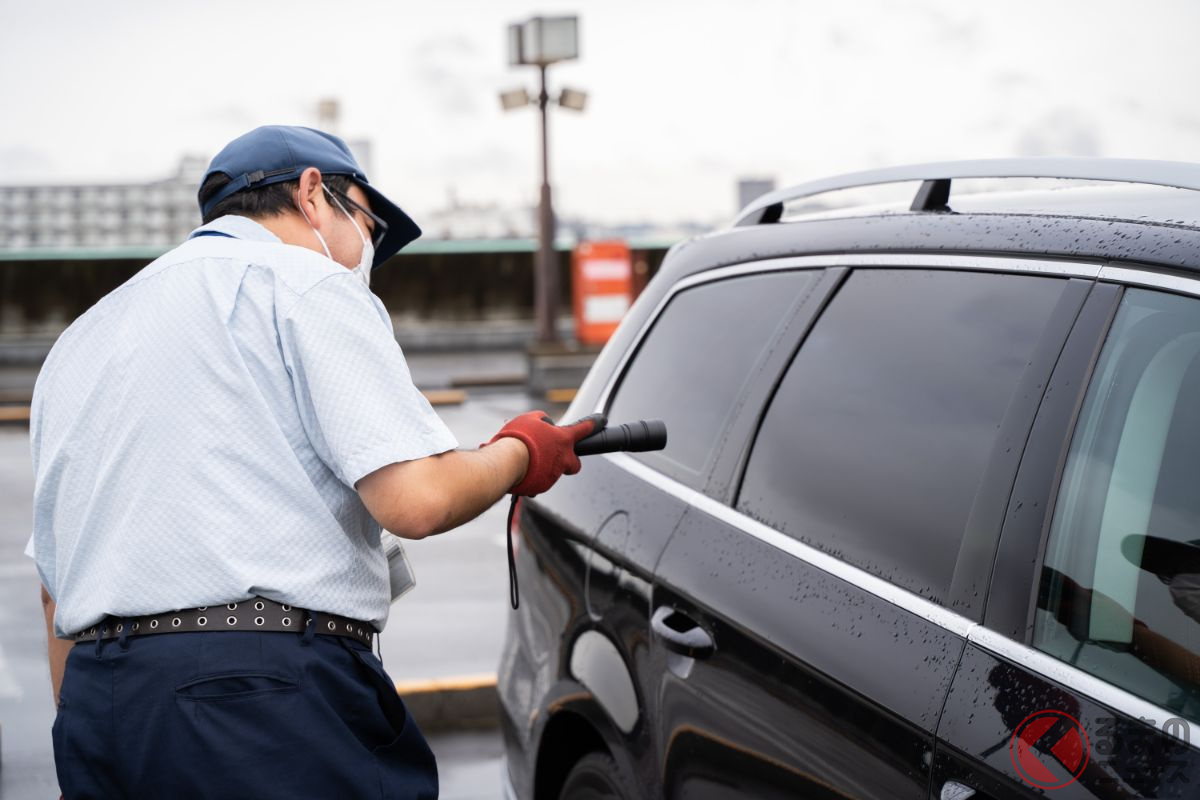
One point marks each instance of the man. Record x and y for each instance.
(216, 444)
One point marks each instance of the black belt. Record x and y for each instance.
(255, 614)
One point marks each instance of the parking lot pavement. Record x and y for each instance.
(430, 370)
(26, 708)
(469, 765)
(451, 624)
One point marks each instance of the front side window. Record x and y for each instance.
(1120, 587)
(876, 442)
(696, 359)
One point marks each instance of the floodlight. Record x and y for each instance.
(542, 41)
(515, 98)
(573, 99)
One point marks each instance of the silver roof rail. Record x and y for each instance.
(936, 177)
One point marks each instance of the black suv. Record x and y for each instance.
(928, 521)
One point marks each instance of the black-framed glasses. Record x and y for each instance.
(380, 228)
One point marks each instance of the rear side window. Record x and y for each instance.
(876, 441)
(1120, 590)
(695, 362)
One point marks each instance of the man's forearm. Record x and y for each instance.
(479, 479)
(414, 499)
(56, 649)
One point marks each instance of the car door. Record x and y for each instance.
(1084, 680)
(597, 537)
(808, 623)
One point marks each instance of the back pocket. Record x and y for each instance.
(235, 685)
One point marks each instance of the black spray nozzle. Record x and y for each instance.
(632, 437)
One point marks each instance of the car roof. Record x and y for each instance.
(1140, 227)
(1144, 214)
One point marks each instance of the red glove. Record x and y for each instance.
(551, 448)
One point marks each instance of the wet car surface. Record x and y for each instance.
(923, 526)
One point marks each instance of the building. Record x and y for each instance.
(158, 213)
(750, 189)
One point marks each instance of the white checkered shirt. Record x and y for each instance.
(198, 433)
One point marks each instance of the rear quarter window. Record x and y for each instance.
(696, 360)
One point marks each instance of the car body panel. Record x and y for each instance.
(1134, 749)
(991, 696)
(824, 681)
(798, 707)
(585, 559)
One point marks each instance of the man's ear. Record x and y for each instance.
(311, 197)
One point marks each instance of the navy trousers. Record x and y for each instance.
(235, 715)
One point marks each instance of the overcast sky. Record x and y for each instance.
(684, 97)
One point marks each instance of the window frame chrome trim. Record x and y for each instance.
(995, 643)
(1151, 280)
(1090, 269)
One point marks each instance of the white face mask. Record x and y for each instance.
(368, 251)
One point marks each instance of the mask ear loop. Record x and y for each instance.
(362, 237)
(320, 238)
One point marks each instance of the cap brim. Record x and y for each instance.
(1163, 557)
(401, 228)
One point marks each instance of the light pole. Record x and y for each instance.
(540, 42)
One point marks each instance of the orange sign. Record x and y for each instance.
(602, 276)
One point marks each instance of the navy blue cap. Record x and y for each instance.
(276, 153)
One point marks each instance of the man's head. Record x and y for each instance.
(305, 186)
(316, 211)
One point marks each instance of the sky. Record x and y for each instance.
(683, 97)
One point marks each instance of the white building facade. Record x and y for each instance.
(160, 213)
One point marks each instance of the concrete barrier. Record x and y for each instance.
(465, 702)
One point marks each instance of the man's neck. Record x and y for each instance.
(292, 229)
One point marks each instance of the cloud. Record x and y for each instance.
(1010, 79)
(20, 163)
(1060, 132)
(228, 114)
(451, 75)
(1187, 124)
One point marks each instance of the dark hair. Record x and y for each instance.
(264, 201)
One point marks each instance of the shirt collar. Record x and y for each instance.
(238, 228)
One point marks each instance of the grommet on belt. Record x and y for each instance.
(257, 614)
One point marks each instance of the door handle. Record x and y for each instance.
(681, 634)
(953, 790)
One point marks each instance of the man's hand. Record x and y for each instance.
(57, 649)
(551, 448)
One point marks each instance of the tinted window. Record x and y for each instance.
(875, 444)
(695, 361)
(1120, 593)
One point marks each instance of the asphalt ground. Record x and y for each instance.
(448, 628)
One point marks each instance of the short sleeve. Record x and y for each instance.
(353, 389)
(45, 575)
